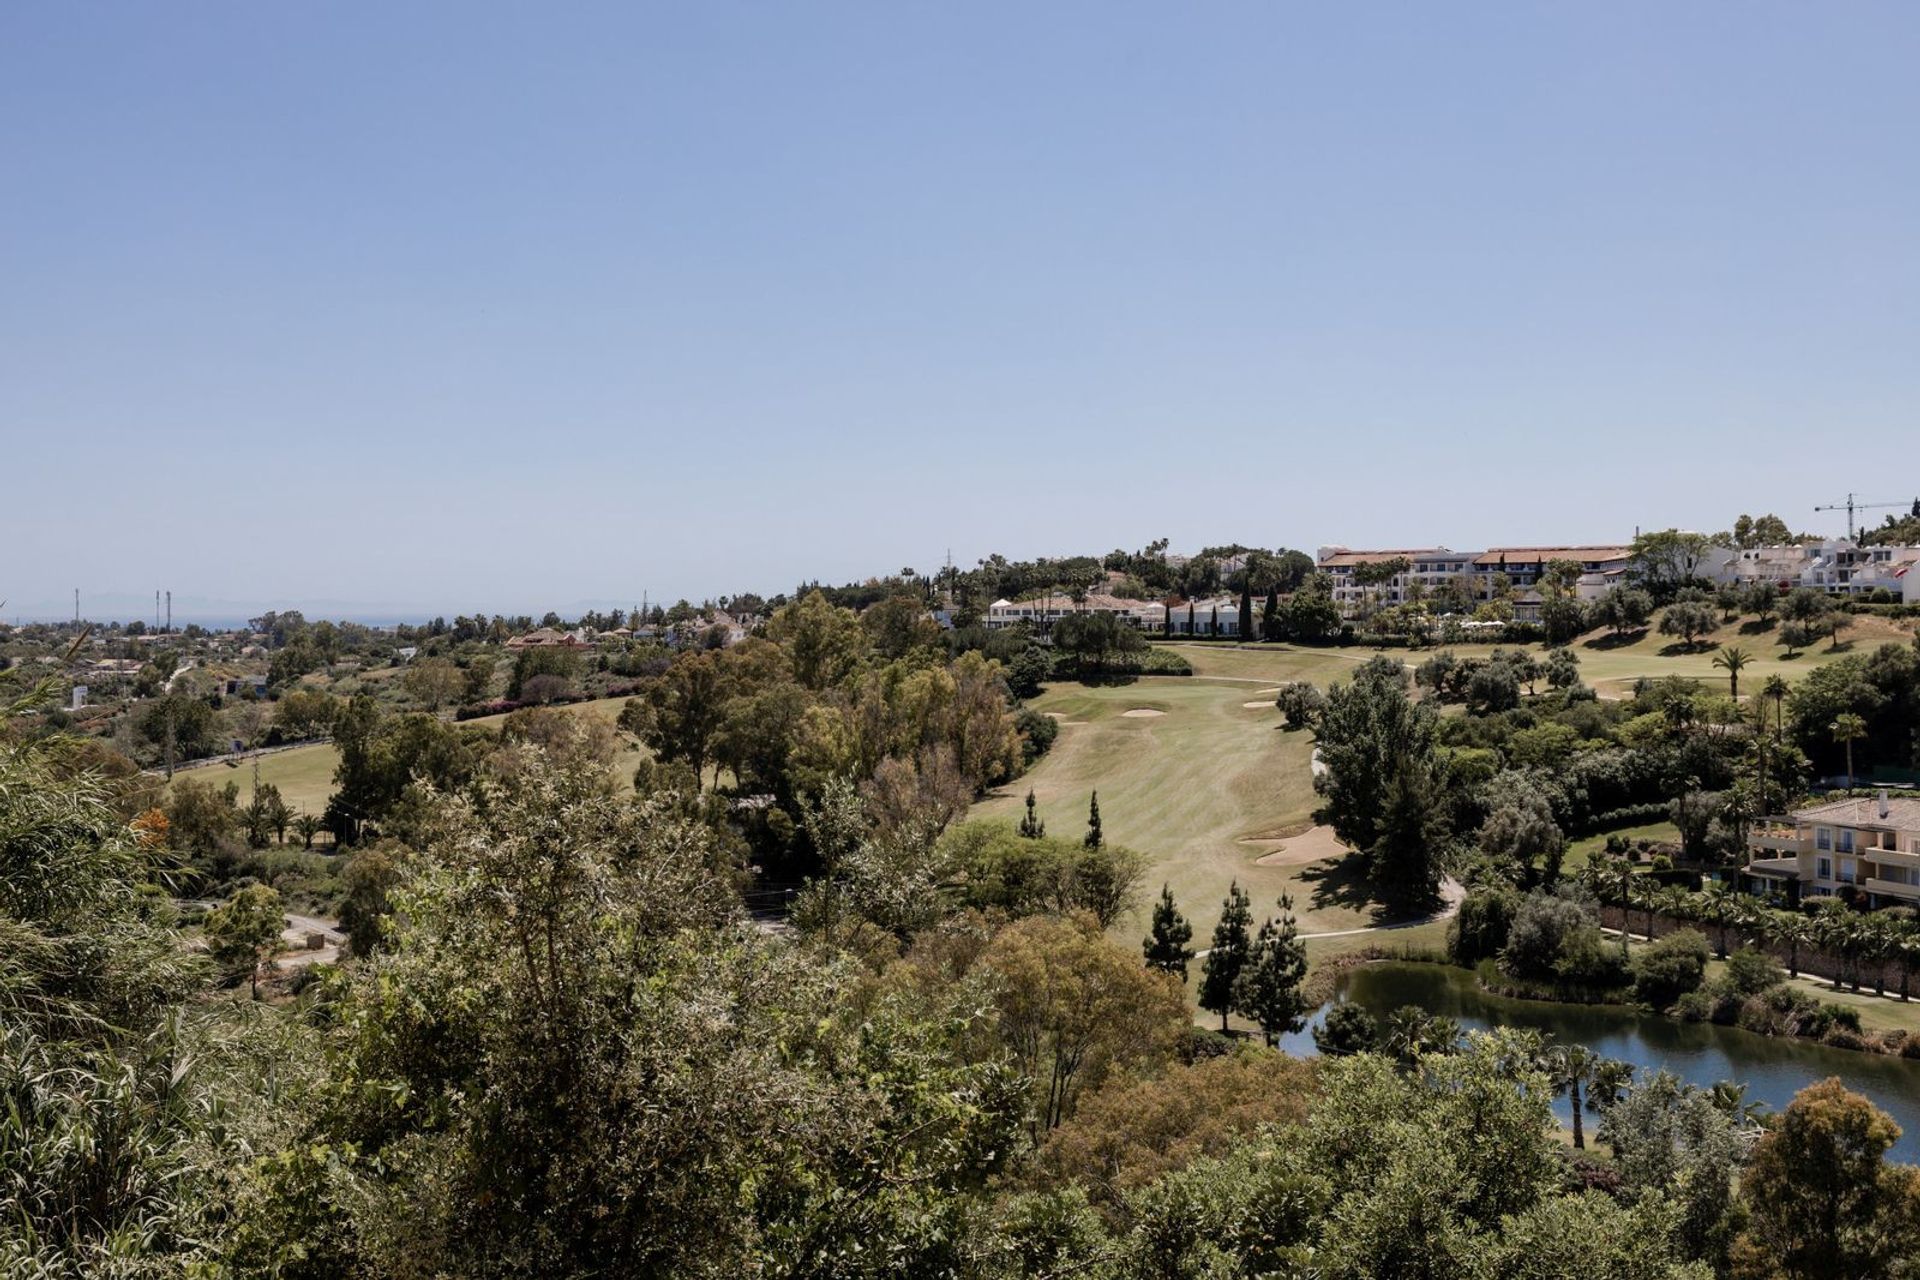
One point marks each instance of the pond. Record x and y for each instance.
(1773, 1069)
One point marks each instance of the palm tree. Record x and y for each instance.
(1732, 659)
(1793, 931)
(1776, 689)
(1571, 1066)
(1838, 931)
(1718, 905)
(1609, 1083)
(1730, 1099)
(1675, 902)
(1847, 728)
(1875, 945)
(1904, 942)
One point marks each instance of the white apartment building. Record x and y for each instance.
(1041, 612)
(1837, 566)
(1520, 568)
(1427, 566)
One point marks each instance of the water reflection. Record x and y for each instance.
(1773, 1069)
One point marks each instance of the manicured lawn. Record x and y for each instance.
(1581, 851)
(1274, 663)
(305, 774)
(1877, 1013)
(1611, 667)
(1204, 790)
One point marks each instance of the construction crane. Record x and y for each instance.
(1850, 506)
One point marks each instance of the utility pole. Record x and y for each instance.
(156, 608)
(76, 606)
(169, 610)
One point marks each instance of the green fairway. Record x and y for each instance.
(1275, 663)
(1205, 790)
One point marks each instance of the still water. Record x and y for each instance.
(1773, 1069)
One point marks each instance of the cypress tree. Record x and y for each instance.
(1228, 955)
(1267, 990)
(1189, 619)
(1213, 627)
(1246, 609)
(1270, 616)
(1030, 826)
(1166, 946)
(1094, 839)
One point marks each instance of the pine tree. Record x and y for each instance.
(1030, 826)
(1166, 946)
(1094, 839)
(1228, 955)
(1267, 990)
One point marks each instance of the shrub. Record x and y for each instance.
(1037, 732)
(1910, 1047)
(1840, 1037)
(1301, 703)
(1750, 971)
(1480, 928)
(1542, 923)
(1670, 967)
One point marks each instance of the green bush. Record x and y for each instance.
(1751, 971)
(1670, 967)
(1479, 929)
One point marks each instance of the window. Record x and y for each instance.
(1846, 842)
(1823, 869)
(1823, 839)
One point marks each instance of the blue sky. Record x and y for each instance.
(471, 306)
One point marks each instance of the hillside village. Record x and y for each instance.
(1676, 775)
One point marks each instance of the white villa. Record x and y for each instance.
(1041, 612)
(1872, 845)
(1837, 566)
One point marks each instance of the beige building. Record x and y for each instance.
(1871, 845)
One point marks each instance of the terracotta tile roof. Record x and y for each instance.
(1903, 812)
(1544, 555)
(1345, 558)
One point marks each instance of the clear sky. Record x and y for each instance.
(457, 306)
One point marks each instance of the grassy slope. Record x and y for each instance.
(1187, 789)
(305, 774)
(1612, 669)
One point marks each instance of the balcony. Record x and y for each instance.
(1775, 842)
(1774, 866)
(1892, 889)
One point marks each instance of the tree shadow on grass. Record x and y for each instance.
(1616, 640)
(1341, 883)
(1757, 626)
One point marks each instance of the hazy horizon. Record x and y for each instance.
(455, 307)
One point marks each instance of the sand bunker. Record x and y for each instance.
(1140, 712)
(1313, 845)
(1255, 706)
